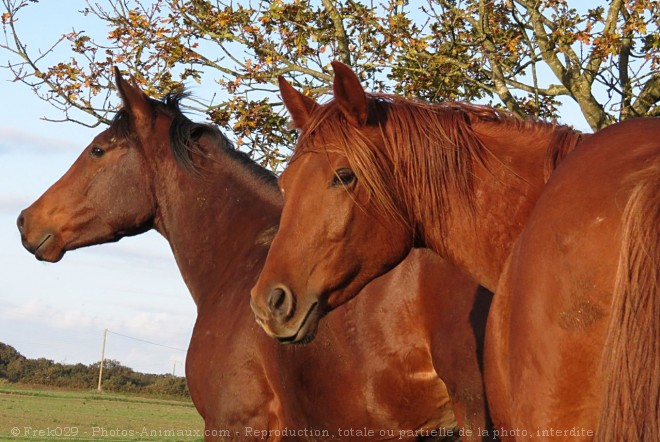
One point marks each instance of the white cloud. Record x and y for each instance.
(75, 335)
(38, 311)
(160, 327)
(16, 139)
(157, 326)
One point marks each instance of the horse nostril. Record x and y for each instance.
(20, 222)
(280, 303)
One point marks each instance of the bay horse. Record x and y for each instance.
(374, 175)
(370, 368)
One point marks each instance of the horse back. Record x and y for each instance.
(561, 281)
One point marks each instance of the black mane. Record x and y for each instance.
(185, 136)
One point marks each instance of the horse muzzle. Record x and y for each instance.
(281, 320)
(44, 244)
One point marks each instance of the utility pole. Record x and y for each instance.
(105, 335)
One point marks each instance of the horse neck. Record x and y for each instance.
(507, 181)
(215, 223)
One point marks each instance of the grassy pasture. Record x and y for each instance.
(38, 414)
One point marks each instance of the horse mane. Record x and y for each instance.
(441, 149)
(186, 137)
(563, 139)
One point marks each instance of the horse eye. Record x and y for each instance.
(97, 152)
(343, 177)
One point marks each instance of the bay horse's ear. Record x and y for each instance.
(299, 105)
(134, 100)
(349, 94)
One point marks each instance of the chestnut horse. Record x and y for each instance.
(370, 369)
(374, 175)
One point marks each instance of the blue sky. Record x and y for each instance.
(59, 311)
(132, 287)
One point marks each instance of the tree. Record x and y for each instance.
(169, 386)
(10, 357)
(519, 54)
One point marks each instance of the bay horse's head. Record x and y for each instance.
(107, 192)
(332, 239)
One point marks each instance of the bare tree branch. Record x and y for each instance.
(648, 97)
(340, 32)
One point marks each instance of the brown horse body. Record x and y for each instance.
(558, 299)
(370, 369)
(372, 176)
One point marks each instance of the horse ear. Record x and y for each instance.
(299, 105)
(134, 82)
(349, 94)
(134, 100)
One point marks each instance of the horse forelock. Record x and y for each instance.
(328, 131)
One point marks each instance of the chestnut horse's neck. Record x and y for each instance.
(508, 162)
(216, 220)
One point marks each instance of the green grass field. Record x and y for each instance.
(39, 414)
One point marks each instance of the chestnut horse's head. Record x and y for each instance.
(106, 194)
(332, 240)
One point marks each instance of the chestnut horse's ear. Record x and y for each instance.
(349, 94)
(134, 100)
(299, 105)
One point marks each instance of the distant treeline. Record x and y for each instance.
(14, 367)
